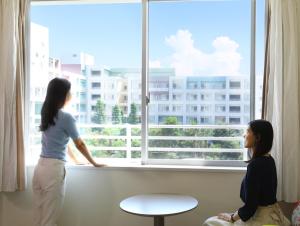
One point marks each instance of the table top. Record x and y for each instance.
(158, 204)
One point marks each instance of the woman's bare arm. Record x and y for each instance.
(80, 145)
(72, 156)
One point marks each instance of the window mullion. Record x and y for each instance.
(252, 60)
(145, 32)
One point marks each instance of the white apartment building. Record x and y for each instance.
(39, 71)
(78, 105)
(44, 68)
(191, 99)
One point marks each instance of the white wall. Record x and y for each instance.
(93, 196)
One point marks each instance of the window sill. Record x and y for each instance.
(137, 166)
(121, 165)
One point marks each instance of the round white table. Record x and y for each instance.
(158, 205)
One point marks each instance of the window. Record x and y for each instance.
(82, 108)
(38, 108)
(234, 109)
(220, 97)
(205, 108)
(220, 120)
(205, 120)
(206, 97)
(82, 83)
(177, 96)
(82, 96)
(220, 108)
(198, 76)
(208, 73)
(96, 85)
(191, 108)
(96, 96)
(159, 96)
(158, 84)
(79, 57)
(163, 108)
(96, 72)
(235, 84)
(177, 108)
(192, 85)
(177, 84)
(191, 96)
(213, 84)
(235, 97)
(192, 120)
(37, 121)
(234, 120)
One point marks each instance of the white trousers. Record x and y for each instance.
(48, 185)
(264, 215)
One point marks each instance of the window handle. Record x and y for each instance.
(147, 99)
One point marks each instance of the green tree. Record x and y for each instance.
(123, 118)
(116, 115)
(133, 119)
(170, 120)
(99, 116)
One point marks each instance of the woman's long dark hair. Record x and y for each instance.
(263, 132)
(57, 92)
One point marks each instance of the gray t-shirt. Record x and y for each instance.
(56, 138)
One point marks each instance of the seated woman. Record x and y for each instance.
(259, 186)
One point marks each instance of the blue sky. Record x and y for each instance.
(112, 33)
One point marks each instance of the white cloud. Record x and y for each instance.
(154, 64)
(189, 60)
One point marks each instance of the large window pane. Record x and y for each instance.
(202, 50)
(97, 47)
(199, 75)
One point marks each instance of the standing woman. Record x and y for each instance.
(57, 127)
(259, 186)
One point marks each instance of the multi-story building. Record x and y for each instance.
(44, 68)
(78, 106)
(191, 99)
(39, 71)
(203, 100)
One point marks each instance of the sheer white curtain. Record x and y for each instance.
(12, 76)
(282, 93)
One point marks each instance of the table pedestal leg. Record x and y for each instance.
(159, 221)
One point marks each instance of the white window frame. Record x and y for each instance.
(145, 92)
(145, 78)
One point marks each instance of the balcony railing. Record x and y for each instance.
(197, 142)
